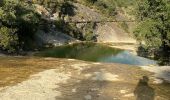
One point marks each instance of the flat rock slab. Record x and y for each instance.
(23, 78)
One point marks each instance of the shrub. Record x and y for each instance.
(20, 16)
(124, 26)
(8, 39)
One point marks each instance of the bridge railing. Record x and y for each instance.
(107, 21)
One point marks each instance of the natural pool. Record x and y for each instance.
(96, 53)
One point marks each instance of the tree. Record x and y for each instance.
(19, 20)
(154, 28)
(8, 39)
(92, 1)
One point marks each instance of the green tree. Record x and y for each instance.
(20, 15)
(154, 28)
(8, 39)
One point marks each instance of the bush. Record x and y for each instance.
(89, 32)
(124, 26)
(8, 39)
(20, 16)
(91, 1)
(107, 8)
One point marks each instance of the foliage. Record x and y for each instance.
(148, 32)
(19, 19)
(154, 18)
(124, 26)
(110, 7)
(16, 14)
(154, 28)
(124, 3)
(56, 5)
(91, 1)
(8, 39)
(67, 8)
(89, 32)
(107, 8)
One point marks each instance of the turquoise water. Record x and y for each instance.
(96, 53)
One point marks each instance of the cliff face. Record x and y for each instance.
(105, 31)
(110, 32)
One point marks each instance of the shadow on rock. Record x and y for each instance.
(84, 87)
(143, 91)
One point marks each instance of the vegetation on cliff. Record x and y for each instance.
(153, 30)
(19, 20)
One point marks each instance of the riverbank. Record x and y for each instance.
(26, 78)
(132, 47)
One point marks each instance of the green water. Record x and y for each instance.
(96, 53)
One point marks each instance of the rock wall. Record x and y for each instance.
(54, 38)
(110, 32)
(106, 32)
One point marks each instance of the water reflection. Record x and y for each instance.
(143, 91)
(82, 51)
(97, 53)
(125, 57)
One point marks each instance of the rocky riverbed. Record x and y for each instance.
(30, 78)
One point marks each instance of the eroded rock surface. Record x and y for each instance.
(69, 79)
